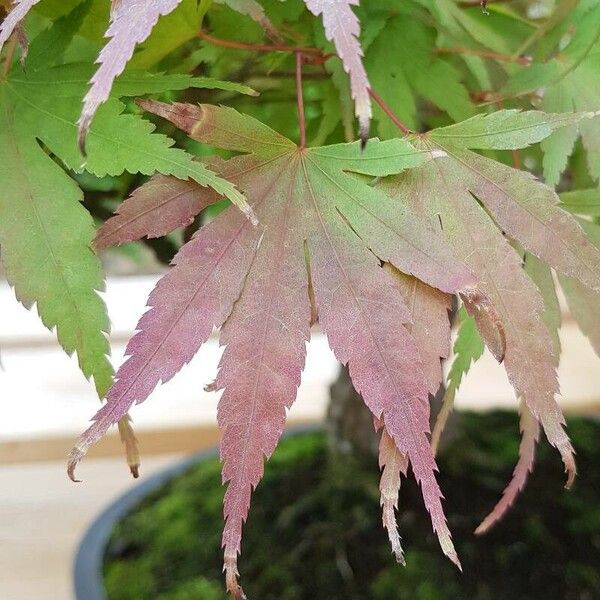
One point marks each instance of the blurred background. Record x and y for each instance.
(47, 403)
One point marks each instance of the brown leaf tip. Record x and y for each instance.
(71, 466)
(211, 387)
(231, 578)
(75, 456)
(135, 471)
(185, 117)
(363, 134)
(84, 126)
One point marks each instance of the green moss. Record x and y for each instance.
(315, 533)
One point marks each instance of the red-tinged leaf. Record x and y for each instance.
(393, 464)
(438, 189)
(187, 303)
(260, 370)
(429, 324)
(343, 28)
(529, 212)
(131, 23)
(156, 208)
(361, 310)
(12, 21)
(394, 233)
(530, 432)
(222, 126)
(322, 220)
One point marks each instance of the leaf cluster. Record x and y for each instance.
(482, 121)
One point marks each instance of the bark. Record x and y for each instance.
(349, 423)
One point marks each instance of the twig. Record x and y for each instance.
(303, 55)
(389, 112)
(520, 60)
(300, 97)
(317, 52)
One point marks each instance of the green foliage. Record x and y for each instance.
(44, 230)
(485, 89)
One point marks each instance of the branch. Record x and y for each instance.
(317, 55)
(389, 112)
(521, 60)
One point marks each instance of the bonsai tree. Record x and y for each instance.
(349, 167)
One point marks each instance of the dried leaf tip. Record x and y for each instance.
(450, 552)
(75, 457)
(363, 134)
(211, 387)
(231, 578)
(391, 526)
(84, 126)
(570, 467)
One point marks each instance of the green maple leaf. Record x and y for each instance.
(582, 301)
(45, 233)
(402, 65)
(570, 81)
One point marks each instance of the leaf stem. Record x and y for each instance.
(389, 112)
(300, 97)
(303, 54)
(520, 60)
(319, 55)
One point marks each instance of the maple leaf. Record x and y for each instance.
(393, 464)
(153, 210)
(429, 325)
(468, 349)
(343, 28)
(582, 301)
(461, 193)
(320, 229)
(415, 71)
(131, 22)
(45, 233)
(530, 432)
(571, 81)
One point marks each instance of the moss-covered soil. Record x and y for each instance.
(315, 533)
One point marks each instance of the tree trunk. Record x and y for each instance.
(349, 423)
